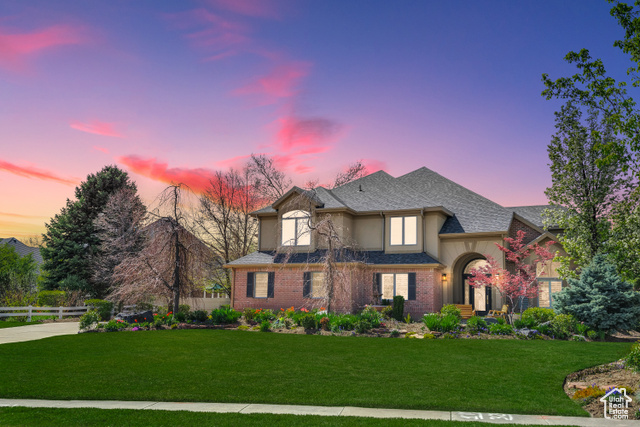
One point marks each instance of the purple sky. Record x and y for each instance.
(172, 90)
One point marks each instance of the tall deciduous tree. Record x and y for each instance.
(17, 274)
(71, 241)
(266, 178)
(119, 227)
(584, 186)
(520, 282)
(223, 220)
(172, 263)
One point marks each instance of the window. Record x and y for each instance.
(295, 229)
(404, 230)
(546, 289)
(260, 285)
(314, 285)
(392, 284)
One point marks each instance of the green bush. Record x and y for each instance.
(103, 307)
(180, 316)
(600, 298)
(199, 316)
(363, 326)
(51, 298)
(432, 321)
(264, 314)
(308, 321)
(248, 314)
(500, 329)
(342, 322)
(184, 308)
(593, 335)
(225, 315)
(396, 333)
(476, 324)
(386, 312)
(449, 323)
(525, 323)
(115, 325)
(563, 325)
(451, 309)
(90, 318)
(265, 326)
(544, 329)
(74, 283)
(538, 315)
(372, 316)
(397, 312)
(581, 329)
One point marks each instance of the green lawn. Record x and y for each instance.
(506, 376)
(10, 324)
(41, 417)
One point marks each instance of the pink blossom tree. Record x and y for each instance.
(520, 281)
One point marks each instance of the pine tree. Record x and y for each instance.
(71, 241)
(600, 298)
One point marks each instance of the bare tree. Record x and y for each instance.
(119, 229)
(35, 241)
(173, 261)
(266, 178)
(224, 222)
(354, 171)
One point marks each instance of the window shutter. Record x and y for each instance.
(249, 285)
(272, 279)
(306, 286)
(412, 286)
(378, 283)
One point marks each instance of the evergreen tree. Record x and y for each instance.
(71, 241)
(600, 298)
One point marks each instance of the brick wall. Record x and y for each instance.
(351, 294)
(530, 233)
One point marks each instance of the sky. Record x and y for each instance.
(173, 91)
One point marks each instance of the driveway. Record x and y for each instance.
(36, 332)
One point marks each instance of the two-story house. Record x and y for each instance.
(417, 235)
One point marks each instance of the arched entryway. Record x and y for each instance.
(480, 298)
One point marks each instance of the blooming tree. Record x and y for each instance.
(519, 282)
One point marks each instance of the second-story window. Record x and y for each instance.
(404, 230)
(295, 229)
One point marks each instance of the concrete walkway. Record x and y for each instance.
(36, 332)
(344, 411)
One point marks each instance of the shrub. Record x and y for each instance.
(308, 321)
(115, 325)
(342, 322)
(184, 308)
(199, 316)
(180, 316)
(600, 298)
(581, 329)
(475, 324)
(500, 329)
(563, 325)
(324, 323)
(226, 315)
(372, 316)
(386, 312)
(363, 326)
(265, 326)
(429, 336)
(260, 315)
(103, 307)
(432, 321)
(449, 323)
(525, 323)
(544, 329)
(538, 315)
(90, 318)
(397, 311)
(396, 333)
(74, 283)
(243, 328)
(158, 321)
(248, 314)
(589, 393)
(633, 358)
(51, 298)
(593, 335)
(451, 309)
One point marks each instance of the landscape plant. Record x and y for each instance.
(103, 307)
(563, 325)
(476, 324)
(397, 311)
(451, 309)
(90, 319)
(538, 315)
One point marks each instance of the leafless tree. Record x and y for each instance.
(119, 227)
(266, 178)
(173, 261)
(35, 241)
(223, 220)
(354, 171)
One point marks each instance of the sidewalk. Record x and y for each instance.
(343, 411)
(36, 332)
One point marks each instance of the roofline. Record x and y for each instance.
(541, 237)
(302, 264)
(526, 222)
(440, 209)
(477, 234)
(294, 189)
(430, 265)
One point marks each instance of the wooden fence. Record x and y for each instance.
(42, 311)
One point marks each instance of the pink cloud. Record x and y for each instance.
(196, 178)
(253, 8)
(234, 162)
(373, 165)
(101, 149)
(307, 134)
(35, 173)
(280, 82)
(14, 48)
(96, 127)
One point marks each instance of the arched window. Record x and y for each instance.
(295, 229)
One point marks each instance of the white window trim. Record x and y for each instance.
(395, 292)
(296, 233)
(403, 231)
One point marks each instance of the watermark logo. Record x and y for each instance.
(616, 404)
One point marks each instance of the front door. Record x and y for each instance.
(479, 298)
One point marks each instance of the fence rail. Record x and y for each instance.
(42, 311)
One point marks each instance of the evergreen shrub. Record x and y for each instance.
(397, 311)
(51, 298)
(102, 306)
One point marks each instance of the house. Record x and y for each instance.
(417, 235)
(23, 250)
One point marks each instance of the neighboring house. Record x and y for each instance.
(417, 235)
(23, 250)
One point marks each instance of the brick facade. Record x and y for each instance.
(530, 234)
(351, 294)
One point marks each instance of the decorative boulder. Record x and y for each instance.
(144, 316)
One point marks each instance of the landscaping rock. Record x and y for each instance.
(144, 316)
(526, 332)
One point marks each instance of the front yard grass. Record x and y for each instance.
(10, 324)
(504, 376)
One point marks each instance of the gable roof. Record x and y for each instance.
(22, 249)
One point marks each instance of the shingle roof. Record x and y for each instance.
(367, 257)
(258, 257)
(23, 249)
(531, 213)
